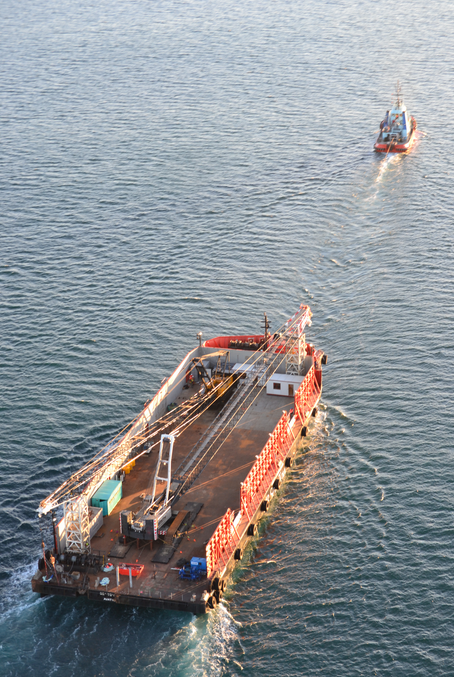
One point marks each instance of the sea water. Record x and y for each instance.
(174, 167)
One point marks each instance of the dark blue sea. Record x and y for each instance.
(170, 167)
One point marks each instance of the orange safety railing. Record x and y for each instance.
(225, 539)
(223, 542)
(266, 466)
(307, 395)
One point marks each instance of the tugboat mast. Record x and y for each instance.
(398, 95)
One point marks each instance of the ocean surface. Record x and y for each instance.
(174, 167)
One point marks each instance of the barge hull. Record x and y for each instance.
(230, 460)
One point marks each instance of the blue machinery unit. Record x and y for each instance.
(194, 569)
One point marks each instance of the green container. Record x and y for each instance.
(107, 496)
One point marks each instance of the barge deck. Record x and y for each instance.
(230, 456)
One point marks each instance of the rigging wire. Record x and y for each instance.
(235, 412)
(71, 486)
(201, 459)
(218, 477)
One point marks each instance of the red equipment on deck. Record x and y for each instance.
(135, 569)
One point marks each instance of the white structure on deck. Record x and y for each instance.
(285, 385)
(397, 125)
(296, 347)
(77, 525)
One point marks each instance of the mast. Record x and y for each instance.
(266, 326)
(398, 95)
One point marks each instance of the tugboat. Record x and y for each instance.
(397, 130)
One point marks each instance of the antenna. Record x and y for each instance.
(398, 95)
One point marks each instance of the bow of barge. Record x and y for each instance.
(160, 517)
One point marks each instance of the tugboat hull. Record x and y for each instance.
(382, 147)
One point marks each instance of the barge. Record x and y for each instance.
(161, 515)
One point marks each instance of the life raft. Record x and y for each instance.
(135, 569)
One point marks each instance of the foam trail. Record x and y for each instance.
(387, 162)
(210, 644)
(18, 597)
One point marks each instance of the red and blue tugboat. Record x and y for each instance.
(397, 130)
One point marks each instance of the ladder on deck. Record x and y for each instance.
(165, 461)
